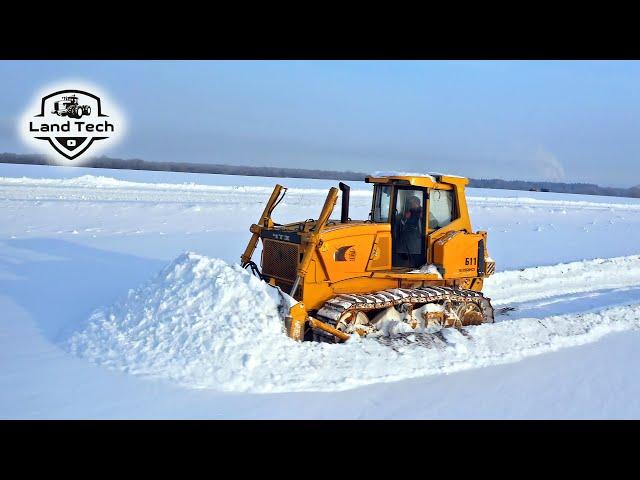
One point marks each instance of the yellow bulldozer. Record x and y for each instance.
(414, 264)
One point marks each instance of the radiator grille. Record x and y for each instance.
(280, 260)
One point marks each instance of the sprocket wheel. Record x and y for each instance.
(470, 314)
(354, 322)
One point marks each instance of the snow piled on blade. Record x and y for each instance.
(203, 323)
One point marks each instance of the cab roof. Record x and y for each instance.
(419, 180)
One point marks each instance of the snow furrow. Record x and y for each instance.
(205, 324)
(534, 283)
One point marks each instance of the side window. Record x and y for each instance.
(441, 208)
(381, 204)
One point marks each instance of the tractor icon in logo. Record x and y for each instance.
(69, 107)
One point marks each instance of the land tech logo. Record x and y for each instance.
(71, 123)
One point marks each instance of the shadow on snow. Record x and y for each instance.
(59, 283)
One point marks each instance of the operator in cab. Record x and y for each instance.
(409, 235)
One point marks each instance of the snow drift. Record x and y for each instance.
(199, 322)
(205, 324)
(551, 281)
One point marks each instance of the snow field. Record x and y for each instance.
(75, 239)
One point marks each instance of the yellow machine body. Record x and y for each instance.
(315, 261)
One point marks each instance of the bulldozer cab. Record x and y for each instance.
(413, 212)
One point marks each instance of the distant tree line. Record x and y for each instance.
(580, 188)
(138, 164)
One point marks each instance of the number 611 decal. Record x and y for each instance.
(471, 261)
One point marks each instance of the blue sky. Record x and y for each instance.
(533, 120)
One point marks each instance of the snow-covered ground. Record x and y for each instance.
(103, 315)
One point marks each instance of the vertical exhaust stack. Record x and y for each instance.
(344, 214)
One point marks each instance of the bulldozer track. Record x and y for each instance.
(336, 307)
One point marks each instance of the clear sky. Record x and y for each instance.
(532, 120)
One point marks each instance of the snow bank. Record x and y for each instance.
(517, 199)
(535, 283)
(198, 322)
(205, 324)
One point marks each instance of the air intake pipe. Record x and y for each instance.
(344, 214)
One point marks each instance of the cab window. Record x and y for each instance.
(441, 208)
(381, 204)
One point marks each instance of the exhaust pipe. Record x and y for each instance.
(344, 214)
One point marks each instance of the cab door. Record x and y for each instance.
(409, 227)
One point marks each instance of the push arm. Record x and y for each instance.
(264, 222)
